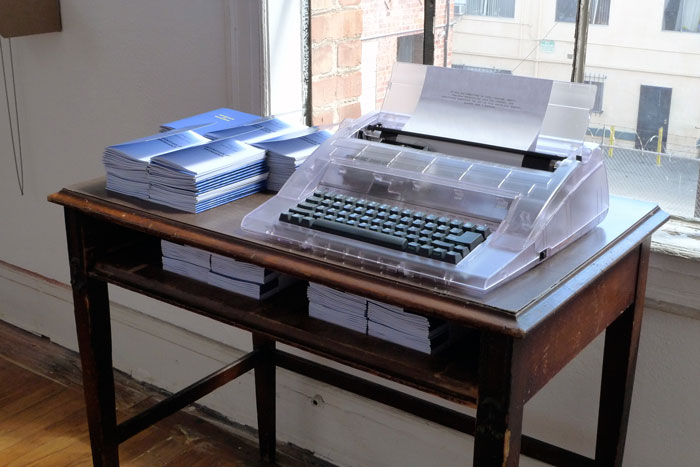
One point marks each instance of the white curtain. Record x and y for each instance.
(689, 16)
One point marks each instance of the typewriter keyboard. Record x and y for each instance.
(420, 233)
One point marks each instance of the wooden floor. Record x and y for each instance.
(43, 422)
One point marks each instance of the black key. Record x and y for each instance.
(419, 215)
(356, 233)
(286, 217)
(359, 210)
(314, 199)
(415, 230)
(365, 219)
(413, 247)
(372, 205)
(431, 218)
(318, 215)
(307, 221)
(363, 225)
(461, 249)
(387, 231)
(442, 229)
(353, 217)
(296, 219)
(453, 257)
(425, 233)
(425, 250)
(383, 207)
(339, 197)
(441, 244)
(406, 220)
(395, 210)
(303, 212)
(348, 207)
(377, 221)
(329, 217)
(430, 225)
(468, 226)
(455, 223)
(327, 195)
(412, 238)
(351, 222)
(390, 225)
(342, 213)
(371, 212)
(418, 223)
(331, 211)
(438, 253)
(327, 202)
(394, 217)
(351, 200)
(438, 236)
(382, 215)
(308, 206)
(483, 230)
(468, 239)
(337, 205)
(407, 212)
(424, 240)
(361, 203)
(401, 228)
(443, 220)
(456, 231)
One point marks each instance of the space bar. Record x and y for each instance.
(356, 233)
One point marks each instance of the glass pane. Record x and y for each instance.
(515, 37)
(646, 71)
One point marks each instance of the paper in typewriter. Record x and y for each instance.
(488, 108)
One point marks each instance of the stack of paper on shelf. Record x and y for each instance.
(235, 276)
(286, 153)
(126, 164)
(245, 278)
(186, 260)
(214, 120)
(341, 308)
(392, 323)
(202, 177)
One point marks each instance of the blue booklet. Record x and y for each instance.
(255, 132)
(214, 120)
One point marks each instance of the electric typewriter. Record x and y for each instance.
(457, 216)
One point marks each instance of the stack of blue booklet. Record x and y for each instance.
(205, 176)
(186, 260)
(206, 160)
(340, 308)
(245, 278)
(127, 164)
(286, 153)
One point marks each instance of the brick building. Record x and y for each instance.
(354, 44)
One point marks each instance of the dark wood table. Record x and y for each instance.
(516, 338)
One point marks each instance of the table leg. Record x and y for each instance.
(265, 397)
(499, 412)
(619, 362)
(91, 307)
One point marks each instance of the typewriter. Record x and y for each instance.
(458, 216)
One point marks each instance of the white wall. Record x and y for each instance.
(118, 70)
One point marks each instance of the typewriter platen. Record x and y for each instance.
(457, 216)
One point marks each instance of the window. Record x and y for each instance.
(409, 49)
(599, 82)
(682, 15)
(499, 8)
(599, 11)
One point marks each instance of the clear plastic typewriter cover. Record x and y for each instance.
(531, 212)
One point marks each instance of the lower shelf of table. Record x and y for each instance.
(451, 374)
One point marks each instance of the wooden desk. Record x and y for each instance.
(522, 334)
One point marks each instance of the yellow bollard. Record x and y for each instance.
(612, 140)
(658, 146)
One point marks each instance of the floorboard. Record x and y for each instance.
(43, 421)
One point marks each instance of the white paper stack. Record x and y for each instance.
(126, 164)
(341, 308)
(286, 153)
(417, 332)
(205, 176)
(245, 278)
(186, 260)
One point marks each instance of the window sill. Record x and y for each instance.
(674, 269)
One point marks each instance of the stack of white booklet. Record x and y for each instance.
(245, 278)
(186, 260)
(341, 308)
(235, 276)
(126, 164)
(205, 176)
(286, 153)
(391, 323)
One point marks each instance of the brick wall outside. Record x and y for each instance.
(336, 53)
(338, 30)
